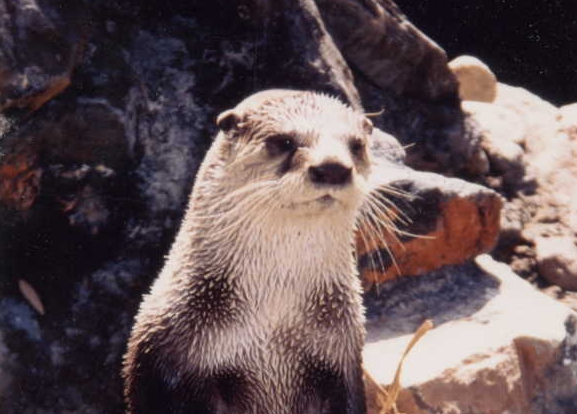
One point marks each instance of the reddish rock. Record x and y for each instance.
(19, 180)
(450, 221)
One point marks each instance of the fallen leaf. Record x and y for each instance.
(31, 296)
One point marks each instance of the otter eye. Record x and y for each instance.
(357, 147)
(280, 144)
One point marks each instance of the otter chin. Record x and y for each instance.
(258, 307)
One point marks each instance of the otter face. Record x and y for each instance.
(310, 150)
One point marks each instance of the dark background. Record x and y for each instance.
(526, 43)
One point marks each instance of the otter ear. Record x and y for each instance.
(228, 120)
(367, 126)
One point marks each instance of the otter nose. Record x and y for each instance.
(330, 173)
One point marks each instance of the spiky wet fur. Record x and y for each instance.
(258, 308)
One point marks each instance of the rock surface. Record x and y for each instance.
(557, 260)
(108, 108)
(476, 80)
(380, 42)
(32, 75)
(498, 347)
(540, 207)
(502, 133)
(107, 111)
(441, 221)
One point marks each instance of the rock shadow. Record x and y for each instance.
(398, 307)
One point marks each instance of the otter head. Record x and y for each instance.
(302, 154)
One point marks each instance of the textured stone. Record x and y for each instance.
(93, 185)
(557, 260)
(37, 57)
(476, 80)
(447, 221)
(541, 206)
(550, 156)
(385, 47)
(501, 131)
(537, 114)
(499, 346)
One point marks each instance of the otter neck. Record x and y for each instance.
(279, 252)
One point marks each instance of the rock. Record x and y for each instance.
(541, 207)
(385, 148)
(37, 55)
(440, 220)
(316, 50)
(499, 345)
(557, 260)
(551, 161)
(385, 47)
(402, 72)
(93, 186)
(567, 115)
(501, 131)
(476, 80)
(537, 114)
(5, 357)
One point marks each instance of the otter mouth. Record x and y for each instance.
(326, 200)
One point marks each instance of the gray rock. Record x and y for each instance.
(381, 43)
(557, 260)
(94, 181)
(37, 55)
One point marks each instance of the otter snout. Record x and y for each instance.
(332, 173)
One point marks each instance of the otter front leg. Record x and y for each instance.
(153, 387)
(330, 392)
(356, 401)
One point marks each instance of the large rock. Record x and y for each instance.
(440, 220)
(384, 46)
(499, 345)
(403, 76)
(548, 210)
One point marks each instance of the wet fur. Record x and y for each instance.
(258, 307)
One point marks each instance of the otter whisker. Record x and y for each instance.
(383, 222)
(389, 220)
(376, 239)
(233, 207)
(393, 191)
(361, 232)
(395, 217)
(248, 207)
(385, 225)
(230, 197)
(389, 205)
(374, 114)
(229, 232)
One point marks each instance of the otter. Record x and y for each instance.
(258, 308)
